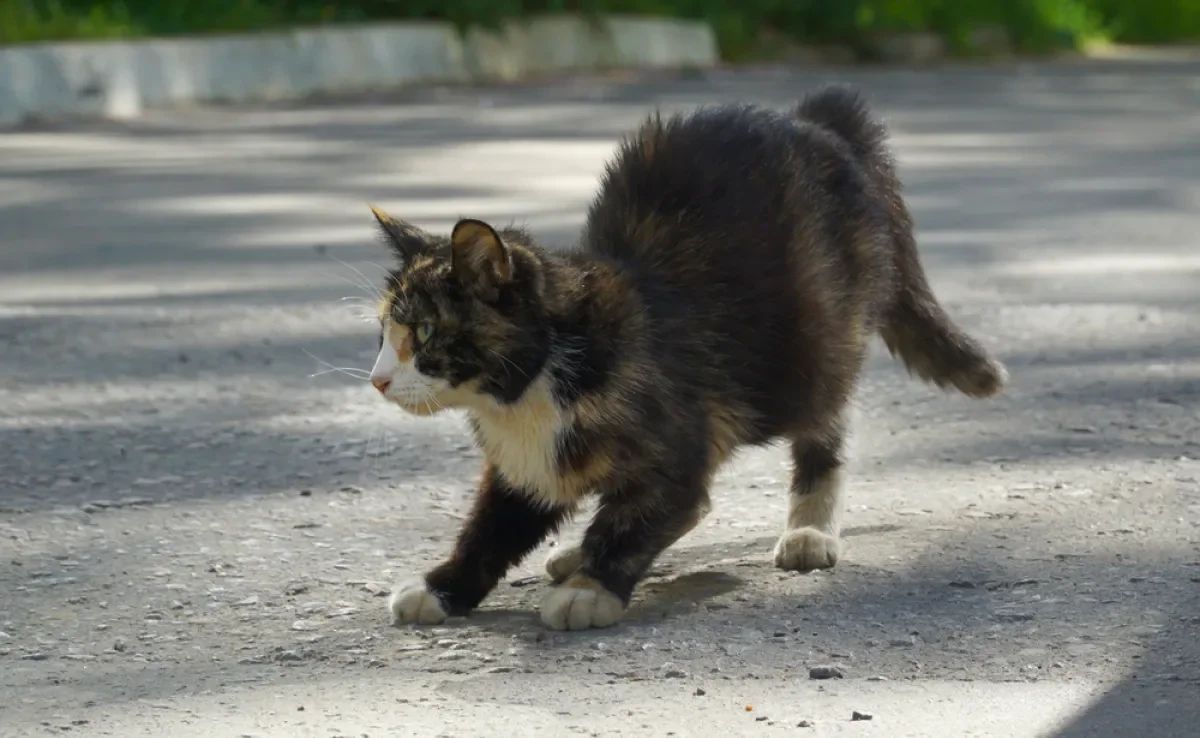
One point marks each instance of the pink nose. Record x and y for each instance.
(382, 384)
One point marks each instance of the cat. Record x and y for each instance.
(733, 268)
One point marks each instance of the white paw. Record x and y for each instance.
(805, 549)
(412, 602)
(564, 562)
(579, 604)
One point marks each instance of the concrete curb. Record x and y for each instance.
(120, 79)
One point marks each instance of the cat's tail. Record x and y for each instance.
(916, 329)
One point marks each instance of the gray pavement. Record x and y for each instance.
(196, 526)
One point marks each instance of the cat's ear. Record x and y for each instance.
(481, 259)
(405, 239)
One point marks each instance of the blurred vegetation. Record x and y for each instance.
(1033, 25)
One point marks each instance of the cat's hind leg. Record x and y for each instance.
(812, 538)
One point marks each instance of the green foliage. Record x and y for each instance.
(1151, 21)
(26, 20)
(1033, 24)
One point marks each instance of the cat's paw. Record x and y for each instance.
(580, 603)
(564, 562)
(805, 549)
(412, 602)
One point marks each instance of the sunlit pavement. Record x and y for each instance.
(197, 515)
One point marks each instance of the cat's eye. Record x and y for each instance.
(424, 332)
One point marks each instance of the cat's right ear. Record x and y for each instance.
(405, 239)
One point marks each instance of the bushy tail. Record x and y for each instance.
(916, 328)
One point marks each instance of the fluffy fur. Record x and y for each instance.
(734, 266)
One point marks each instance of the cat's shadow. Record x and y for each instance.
(657, 596)
(662, 591)
(690, 587)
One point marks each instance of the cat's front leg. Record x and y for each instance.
(504, 525)
(630, 529)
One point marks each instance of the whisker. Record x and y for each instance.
(331, 368)
(361, 309)
(436, 402)
(366, 280)
(370, 290)
(383, 269)
(347, 370)
(371, 460)
(509, 362)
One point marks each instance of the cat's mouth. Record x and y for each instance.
(421, 408)
(428, 398)
(424, 401)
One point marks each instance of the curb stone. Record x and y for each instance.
(120, 79)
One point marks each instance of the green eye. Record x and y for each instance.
(424, 332)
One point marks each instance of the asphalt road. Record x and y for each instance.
(197, 528)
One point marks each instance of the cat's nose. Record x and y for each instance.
(381, 384)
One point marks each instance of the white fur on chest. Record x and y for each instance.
(522, 443)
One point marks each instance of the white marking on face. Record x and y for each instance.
(396, 376)
(386, 363)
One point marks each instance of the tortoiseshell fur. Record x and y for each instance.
(732, 271)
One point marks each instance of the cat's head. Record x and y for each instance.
(462, 322)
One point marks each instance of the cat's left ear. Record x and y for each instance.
(405, 239)
(481, 259)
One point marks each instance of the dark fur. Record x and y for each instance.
(733, 269)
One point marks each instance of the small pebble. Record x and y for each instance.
(804, 724)
(826, 672)
(699, 692)
(857, 716)
(671, 671)
(1012, 617)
